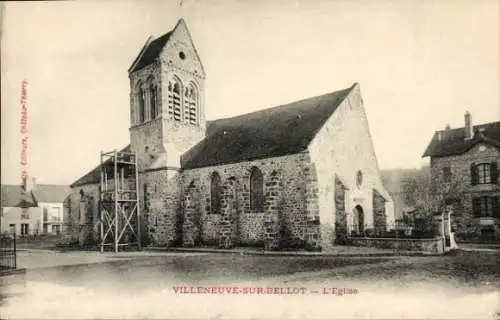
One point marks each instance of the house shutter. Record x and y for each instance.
(476, 207)
(473, 174)
(496, 207)
(494, 172)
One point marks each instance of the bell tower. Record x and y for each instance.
(167, 105)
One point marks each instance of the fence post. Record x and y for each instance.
(15, 252)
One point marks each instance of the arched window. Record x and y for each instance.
(256, 190)
(141, 104)
(174, 99)
(153, 102)
(191, 104)
(215, 194)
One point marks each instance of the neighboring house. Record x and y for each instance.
(34, 209)
(309, 166)
(470, 155)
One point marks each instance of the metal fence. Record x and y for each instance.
(8, 253)
(420, 229)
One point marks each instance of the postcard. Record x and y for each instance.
(232, 159)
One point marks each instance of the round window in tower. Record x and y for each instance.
(359, 178)
(182, 55)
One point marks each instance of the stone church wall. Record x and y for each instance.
(290, 210)
(342, 148)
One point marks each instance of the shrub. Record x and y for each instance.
(340, 234)
(68, 242)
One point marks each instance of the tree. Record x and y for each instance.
(431, 194)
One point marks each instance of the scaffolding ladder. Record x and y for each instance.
(119, 209)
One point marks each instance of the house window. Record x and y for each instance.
(482, 207)
(256, 191)
(215, 194)
(191, 104)
(447, 174)
(24, 229)
(484, 173)
(12, 228)
(174, 100)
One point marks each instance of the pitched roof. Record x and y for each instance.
(149, 54)
(453, 141)
(273, 132)
(51, 193)
(94, 176)
(13, 196)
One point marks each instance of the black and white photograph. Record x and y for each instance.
(250, 159)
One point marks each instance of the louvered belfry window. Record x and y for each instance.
(142, 106)
(191, 105)
(174, 100)
(153, 102)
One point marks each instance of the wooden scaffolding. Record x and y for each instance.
(119, 209)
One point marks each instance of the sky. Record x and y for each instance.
(420, 64)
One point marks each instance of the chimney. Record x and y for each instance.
(440, 135)
(469, 134)
(447, 127)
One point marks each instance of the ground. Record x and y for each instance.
(145, 284)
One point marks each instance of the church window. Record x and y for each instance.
(256, 191)
(174, 100)
(191, 105)
(215, 194)
(142, 106)
(359, 178)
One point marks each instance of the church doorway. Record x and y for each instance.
(359, 217)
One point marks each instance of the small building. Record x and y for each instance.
(291, 175)
(32, 209)
(467, 159)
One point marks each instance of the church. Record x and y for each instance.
(292, 176)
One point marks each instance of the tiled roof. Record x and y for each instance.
(51, 193)
(151, 52)
(94, 176)
(453, 141)
(273, 132)
(13, 196)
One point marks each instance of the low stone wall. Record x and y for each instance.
(426, 246)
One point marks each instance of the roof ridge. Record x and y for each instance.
(473, 126)
(295, 102)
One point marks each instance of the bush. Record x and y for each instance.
(68, 242)
(340, 234)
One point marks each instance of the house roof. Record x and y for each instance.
(13, 196)
(151, 51)
(453, 141)
(273, 132)
(51, 193)
(94, 176)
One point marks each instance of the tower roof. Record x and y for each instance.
(153, 48)
(150, 52)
